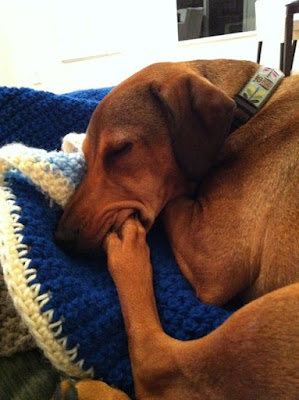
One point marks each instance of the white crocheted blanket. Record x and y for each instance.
(56, 174)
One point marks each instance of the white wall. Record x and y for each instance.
(64, 45)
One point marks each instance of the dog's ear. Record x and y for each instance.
(199, 115)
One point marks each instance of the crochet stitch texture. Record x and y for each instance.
(70, 304)
(14, 335)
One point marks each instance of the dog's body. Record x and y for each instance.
(239, 235)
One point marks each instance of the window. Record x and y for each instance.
(204, 18)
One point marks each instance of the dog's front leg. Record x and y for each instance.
(209, 252)
(149, 347)
(163, 368)
(179, 217)
(252, 355)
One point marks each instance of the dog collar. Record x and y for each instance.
(255, 94)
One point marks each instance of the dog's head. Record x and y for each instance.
(146, 141)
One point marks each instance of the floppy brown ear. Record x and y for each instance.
(200, 116)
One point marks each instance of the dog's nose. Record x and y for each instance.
(66, 237)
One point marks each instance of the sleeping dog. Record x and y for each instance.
(179, 141)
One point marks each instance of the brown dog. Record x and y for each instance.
(148, 143)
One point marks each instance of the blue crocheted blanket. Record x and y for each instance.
(70, 304)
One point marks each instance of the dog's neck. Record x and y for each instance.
(232, 80)
(248, 83)
(230, 76)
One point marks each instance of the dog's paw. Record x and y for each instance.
(127, 249)
(87, 389)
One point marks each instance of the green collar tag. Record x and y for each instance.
(260, 87)
(255, 94)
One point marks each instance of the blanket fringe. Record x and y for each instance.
(26, 297)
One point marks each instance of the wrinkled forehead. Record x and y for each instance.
(126, 111)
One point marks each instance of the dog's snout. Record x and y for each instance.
(66, 237)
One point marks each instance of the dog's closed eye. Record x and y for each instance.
(119, 151)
